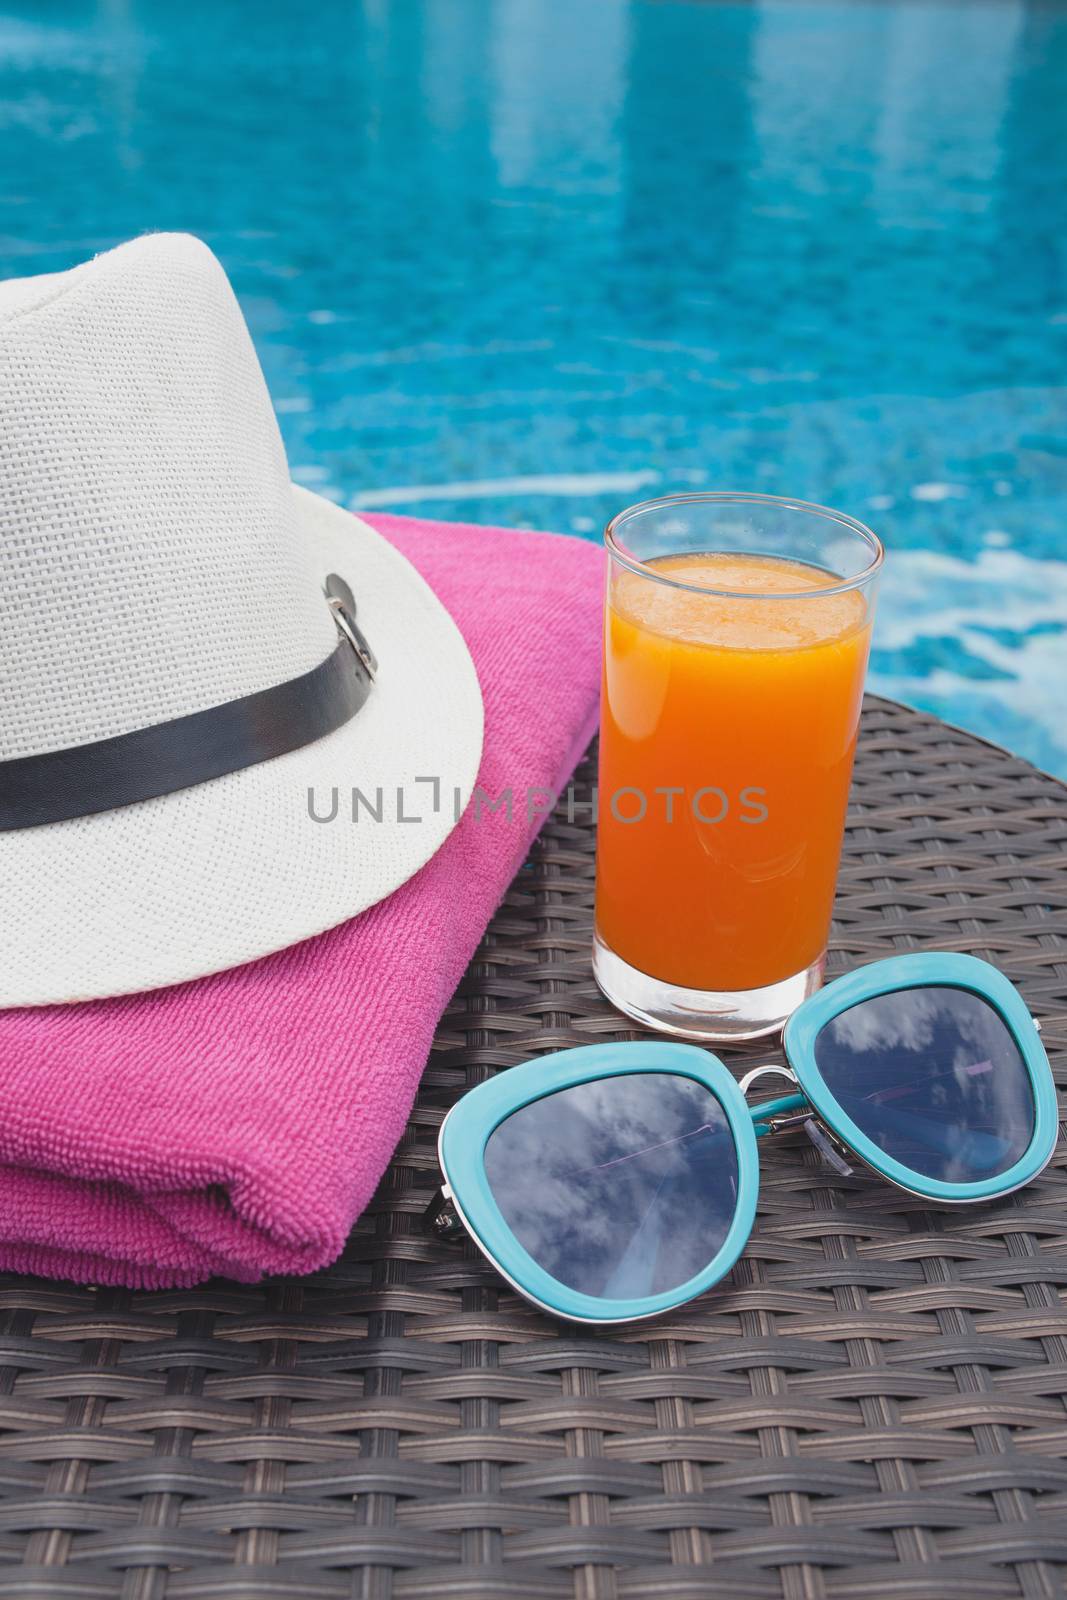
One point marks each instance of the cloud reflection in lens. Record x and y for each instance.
(620, 1188)
(934, 1078)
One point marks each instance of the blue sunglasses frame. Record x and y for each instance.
(466, 1200)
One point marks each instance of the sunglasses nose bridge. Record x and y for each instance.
(792, 1113)
(782, 1113)
(754, 1075)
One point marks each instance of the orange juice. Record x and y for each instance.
(728, 729)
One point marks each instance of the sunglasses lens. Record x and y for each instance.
(619, 1188)
(934, 1078)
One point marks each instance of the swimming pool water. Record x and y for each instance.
(526, 261)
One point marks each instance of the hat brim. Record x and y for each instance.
(216, 875)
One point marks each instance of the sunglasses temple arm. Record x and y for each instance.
(763, 1114)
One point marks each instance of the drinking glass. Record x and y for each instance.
(736, 635)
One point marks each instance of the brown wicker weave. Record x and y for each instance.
(871, 1409)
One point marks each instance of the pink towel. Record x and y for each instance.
(238, 1125)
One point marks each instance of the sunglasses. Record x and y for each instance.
(618, 1181)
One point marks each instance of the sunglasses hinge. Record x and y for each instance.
(441, 1217)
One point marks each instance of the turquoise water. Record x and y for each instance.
(525, 261)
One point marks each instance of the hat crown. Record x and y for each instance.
(150, 564)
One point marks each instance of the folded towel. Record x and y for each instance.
(238, 1125)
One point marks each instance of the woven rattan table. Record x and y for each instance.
(874, 1405)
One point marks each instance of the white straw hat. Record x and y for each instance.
(179, 659)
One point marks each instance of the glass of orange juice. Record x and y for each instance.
(736, 635)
